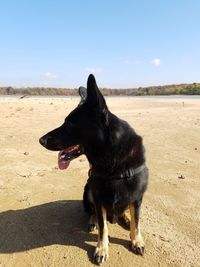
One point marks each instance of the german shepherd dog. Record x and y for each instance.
(118, 175)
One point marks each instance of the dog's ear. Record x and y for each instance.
(83, 94)
(94, 97)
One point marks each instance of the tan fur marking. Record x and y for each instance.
(135, 235)
(126, 219)
(102, 245)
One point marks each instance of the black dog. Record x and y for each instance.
(118, 175)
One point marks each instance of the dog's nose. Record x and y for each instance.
(43, 141)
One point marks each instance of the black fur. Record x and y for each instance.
(111, 147)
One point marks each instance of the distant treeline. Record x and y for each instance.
(177, 89)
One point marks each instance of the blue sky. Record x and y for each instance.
(124, 43)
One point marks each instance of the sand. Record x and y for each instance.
(42, 222)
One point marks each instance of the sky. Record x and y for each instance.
(124, 43)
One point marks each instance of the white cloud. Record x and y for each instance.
(50, 75)
(93, 70)
(156, 62)
(43, 83)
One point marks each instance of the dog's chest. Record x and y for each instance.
(112, 194)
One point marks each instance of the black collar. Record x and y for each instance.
(128, 174)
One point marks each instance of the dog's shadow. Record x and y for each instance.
(61, 222)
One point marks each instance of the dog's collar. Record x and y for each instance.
(128, 174)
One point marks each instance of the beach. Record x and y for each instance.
(42, 221)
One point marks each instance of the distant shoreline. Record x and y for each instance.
(164, 90)
(20, 97)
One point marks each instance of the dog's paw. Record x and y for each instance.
(100, 253)
(138, 246)
(92, 227)
(124, 222)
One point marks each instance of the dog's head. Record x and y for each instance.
(84, 129)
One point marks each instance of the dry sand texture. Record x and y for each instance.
(42, 222)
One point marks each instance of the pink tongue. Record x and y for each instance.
(62, 164)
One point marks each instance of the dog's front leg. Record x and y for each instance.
(101, 251)
(136, 239)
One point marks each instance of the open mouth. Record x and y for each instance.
(68, 154)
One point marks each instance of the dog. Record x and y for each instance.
(118, 175)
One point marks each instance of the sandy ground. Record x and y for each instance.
(42, 222)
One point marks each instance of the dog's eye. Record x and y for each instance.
(69, 124)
